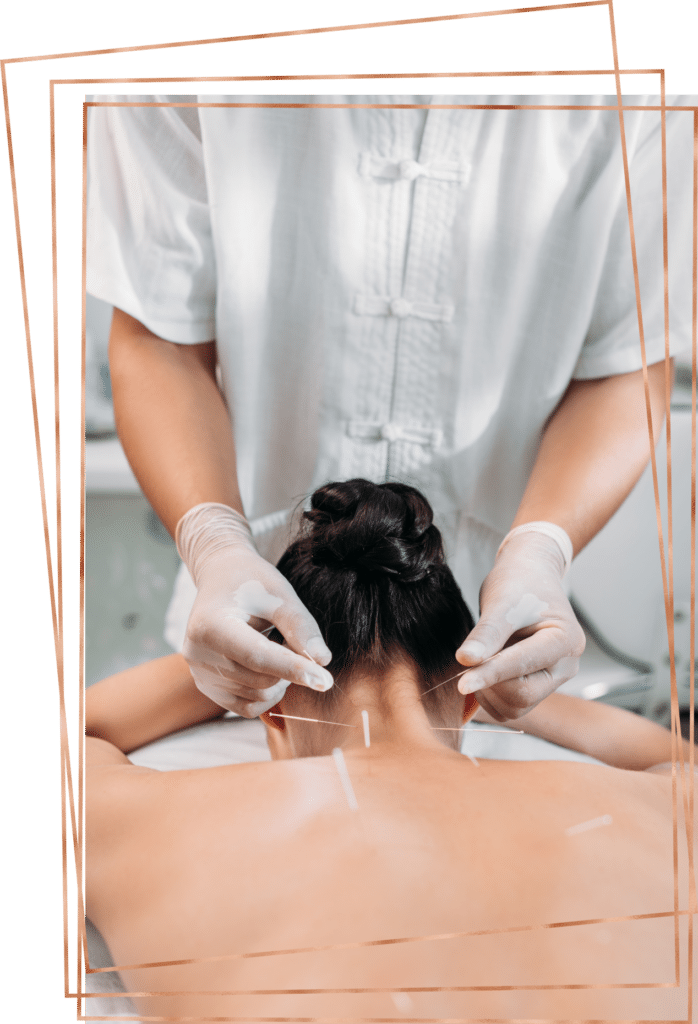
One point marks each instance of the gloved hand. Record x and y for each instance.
(527, 641)
(240, 594)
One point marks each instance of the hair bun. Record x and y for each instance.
(374, 530)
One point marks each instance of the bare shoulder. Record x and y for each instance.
(130, 794)
(111, 784)
(616, 791)
(648, 784)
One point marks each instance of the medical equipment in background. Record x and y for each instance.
(615, 583)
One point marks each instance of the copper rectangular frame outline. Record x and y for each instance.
(313, 31)
(58, 590)
(508, 107)
(441, 105)
(652, 108)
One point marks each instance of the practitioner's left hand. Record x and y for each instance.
(527, 641)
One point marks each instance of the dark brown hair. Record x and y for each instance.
(369, 566)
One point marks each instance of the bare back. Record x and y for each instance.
(437, 847)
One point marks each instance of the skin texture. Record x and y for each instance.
(437, 845)
(172, 420)
(594, 450)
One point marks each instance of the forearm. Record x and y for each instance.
(142, 704)
(172, 420)
(593, 451)
(618, 738)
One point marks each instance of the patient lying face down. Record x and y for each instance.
(346, 878)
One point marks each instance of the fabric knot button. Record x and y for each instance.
(390, 432)
(410, 169)
(400, 307)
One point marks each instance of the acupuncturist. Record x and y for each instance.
(441, 297)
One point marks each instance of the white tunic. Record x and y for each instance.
(395, 294)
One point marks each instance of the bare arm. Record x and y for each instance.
(619, 738)
(594, 450)
(142, 704)
(177, 435)
(172, 420)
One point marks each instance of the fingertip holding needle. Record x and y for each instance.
(316, 682)
(335, 684)
(465, 690)
(444, 681)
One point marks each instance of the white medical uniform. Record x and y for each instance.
(395, 294)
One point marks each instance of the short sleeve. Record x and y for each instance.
(149, 243)
(612, 343)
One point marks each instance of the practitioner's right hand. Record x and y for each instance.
(240, 595)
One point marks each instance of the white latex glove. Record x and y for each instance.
(239, 594)
(527, 641)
